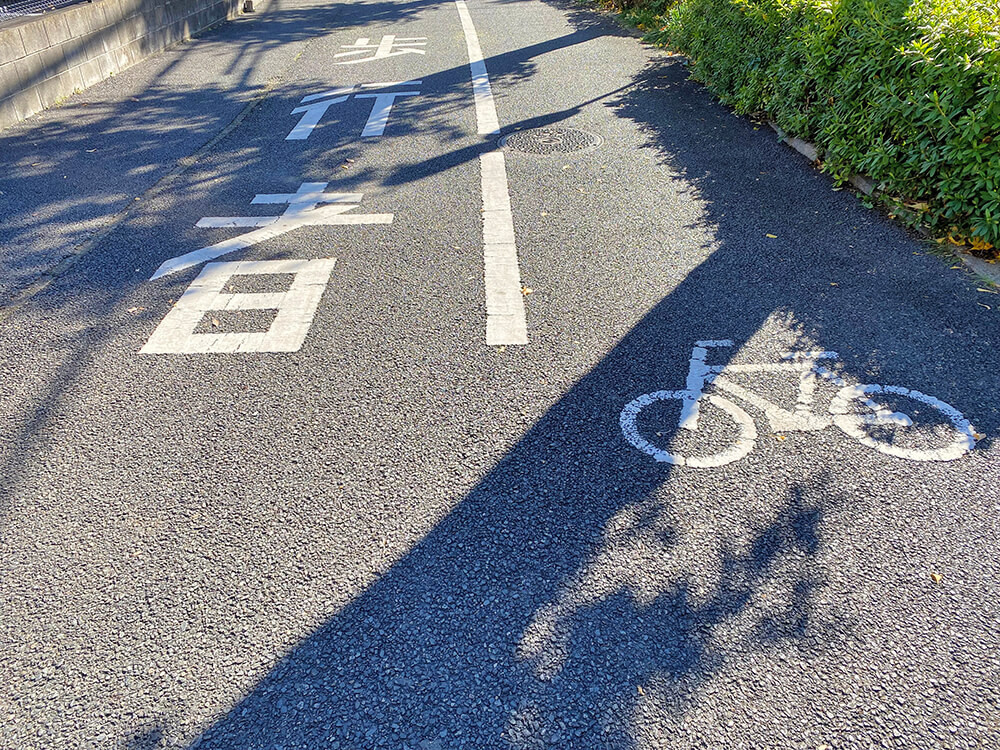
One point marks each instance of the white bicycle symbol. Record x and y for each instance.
(854, 409)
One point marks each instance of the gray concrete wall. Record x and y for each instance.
(46, 58)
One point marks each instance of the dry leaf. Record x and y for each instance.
(937, 577)
(215, 322)
(526, 290)
(780, 437)
(641, 691)
(772, 236)
(91, 150)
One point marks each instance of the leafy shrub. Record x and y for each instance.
(905, 91)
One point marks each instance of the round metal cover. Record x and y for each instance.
(551, 141)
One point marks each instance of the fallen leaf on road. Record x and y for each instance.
(772, 236)
(215, 322)
(978, 436)
(937, 577)
(641, 691)
(780, 437)
(526, 290)
(91, 150)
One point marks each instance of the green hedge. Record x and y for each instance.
(905, 91)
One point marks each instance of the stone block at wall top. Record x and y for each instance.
(11, 46)
(56, 28)
(33, 37)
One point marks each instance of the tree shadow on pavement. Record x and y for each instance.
(521, 620)
(569, 590)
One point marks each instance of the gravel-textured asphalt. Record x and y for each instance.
(398, 537)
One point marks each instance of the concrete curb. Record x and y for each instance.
(866, 185)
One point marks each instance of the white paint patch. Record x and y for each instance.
(852, 409)
(389, 46)
(303, 210)
(506, 324)
(295, 309)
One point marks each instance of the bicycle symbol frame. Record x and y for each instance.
(801, 419)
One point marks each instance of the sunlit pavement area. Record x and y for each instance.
(631, 432)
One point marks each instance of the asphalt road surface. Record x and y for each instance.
(430, 487)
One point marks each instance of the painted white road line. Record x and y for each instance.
(380, 110)
(506, 324)
(295, 309)
(505, 318)
(486, 111)
(303, 210)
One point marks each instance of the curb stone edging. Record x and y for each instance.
(867, 186)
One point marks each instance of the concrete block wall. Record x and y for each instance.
(46, 58)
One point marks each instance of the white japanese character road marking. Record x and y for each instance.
(390, 46)
(316, 105)
(380, 111)
(303, 210)
(295, 309)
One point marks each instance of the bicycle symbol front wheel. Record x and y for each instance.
(939, 431)
(746, 432)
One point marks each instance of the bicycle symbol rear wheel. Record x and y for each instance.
(746, 431)
(943, 434)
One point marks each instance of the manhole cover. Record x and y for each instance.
(550, 141)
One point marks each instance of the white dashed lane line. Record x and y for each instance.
(505, 317)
